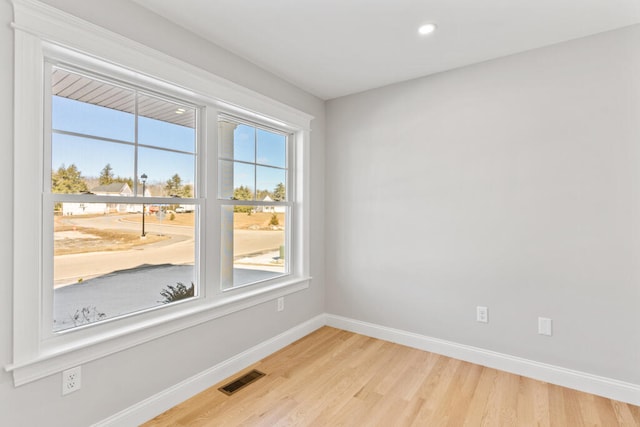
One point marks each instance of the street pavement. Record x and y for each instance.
(178, 249)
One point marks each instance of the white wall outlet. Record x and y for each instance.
(281, 304)
(482, 314)
(544, 326)
(71, 380)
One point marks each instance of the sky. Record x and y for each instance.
(266, 151)
(265, 148)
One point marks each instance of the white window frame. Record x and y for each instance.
(57, 58)
(45, 32)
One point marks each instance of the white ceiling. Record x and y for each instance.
(332, 48)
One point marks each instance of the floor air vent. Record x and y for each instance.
(241, 382)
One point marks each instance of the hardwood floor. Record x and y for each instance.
(337, 378)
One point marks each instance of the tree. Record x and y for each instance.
(68, 180)
(243, 193)
(262, 194)
(174, 187)
(106, 175)
(128, 181)
(279, 193)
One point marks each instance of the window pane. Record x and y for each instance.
(170, 173)
(105, 268)
(253, 244)
(237, 180)
(272, 181)
(166, 124)
(237, 141)
(244, 143)
(85, 105)
(271, 148)
(80, 164)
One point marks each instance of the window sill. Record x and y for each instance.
(59, 358)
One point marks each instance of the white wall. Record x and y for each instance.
(116, 382)
(513, 184)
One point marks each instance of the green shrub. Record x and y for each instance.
(175, 293)
(274, 220)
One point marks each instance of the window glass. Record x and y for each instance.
(112, 258)
(271, 148)
(254, 236)
(92, 107)
(166, 124)
(271, 182)
(171, 173)
(103, 268)
(242, 175)
(79, 163)
(244, 146)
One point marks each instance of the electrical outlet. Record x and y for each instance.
(281, 304)
(71, 380)
(544, 326)
(482, 314)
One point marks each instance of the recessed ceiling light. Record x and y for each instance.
(426, 29)
(180, 111)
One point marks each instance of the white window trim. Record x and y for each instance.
(40, 29)
(48, 337)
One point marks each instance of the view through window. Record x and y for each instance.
(255, 203)
(113, 148)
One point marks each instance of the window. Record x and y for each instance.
(255, 209)
(113, 147)
(124, 189)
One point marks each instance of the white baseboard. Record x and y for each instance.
(601, 386)
(157, 404)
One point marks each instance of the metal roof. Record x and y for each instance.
(93, 91)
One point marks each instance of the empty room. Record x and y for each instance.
(320, 213)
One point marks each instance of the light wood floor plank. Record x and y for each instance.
(476, 408)
(455, 413)
(572, 408)
(533, 403)
(605, 411)
(337, 378)
(557, 415)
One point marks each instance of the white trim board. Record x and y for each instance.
(149, 408)
(601, 386)
(160, 402)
